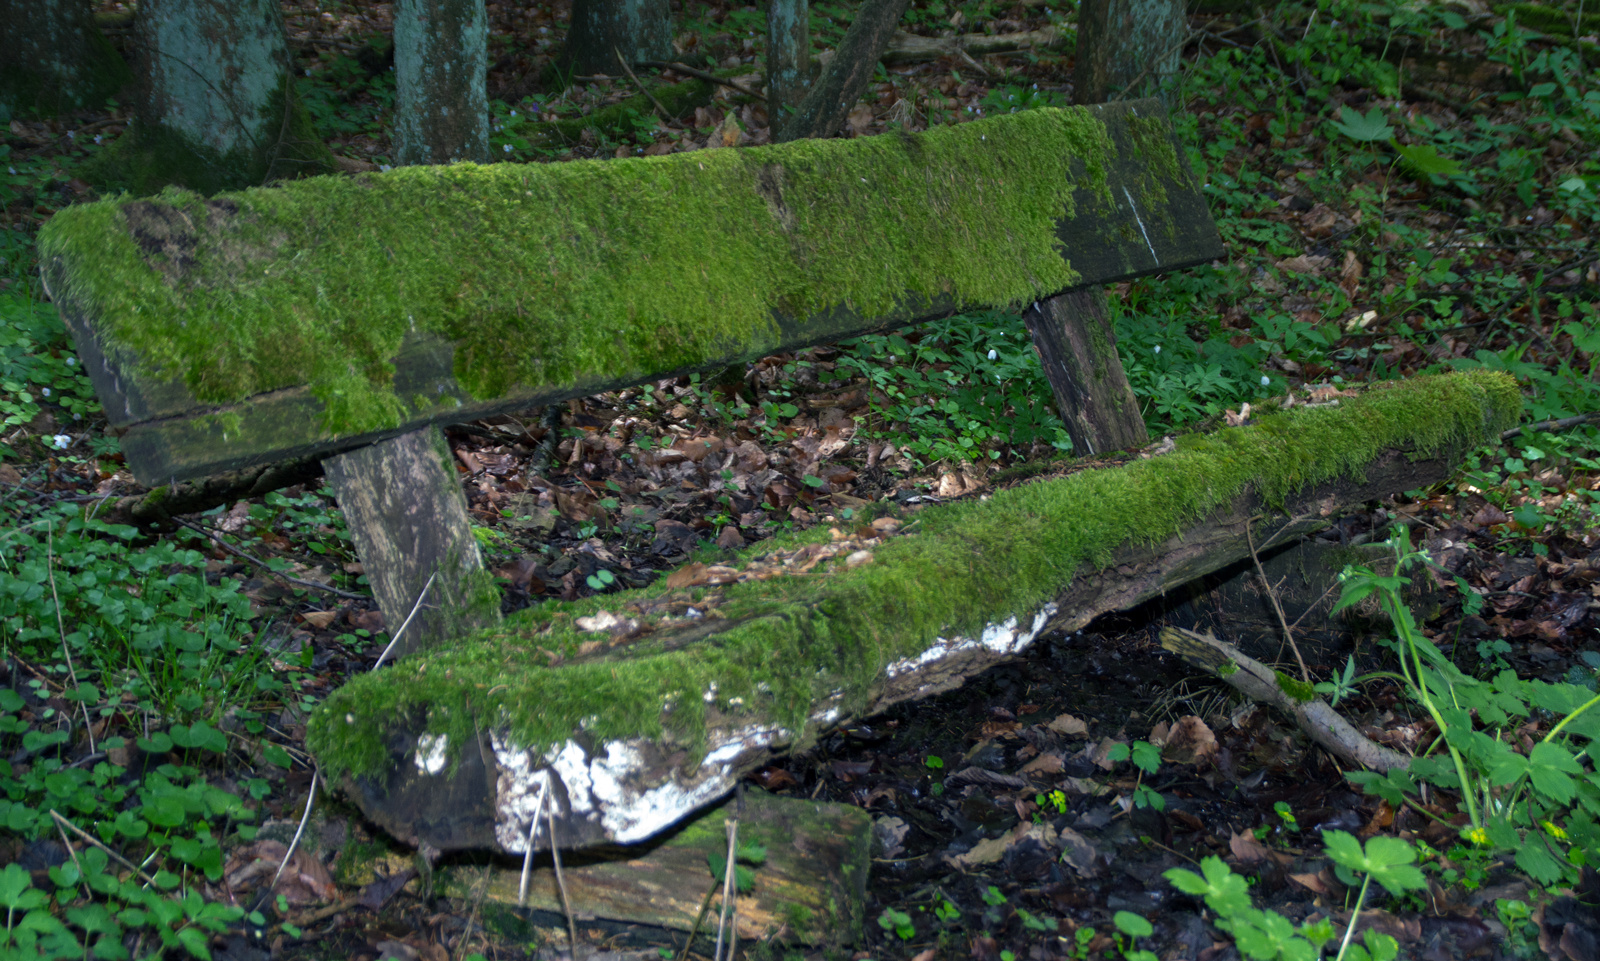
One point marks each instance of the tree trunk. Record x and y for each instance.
(440, 61)
(825, 107)
(216, 108)
(788, 57)
(1127, 48)
(56, 59)
(602, 29)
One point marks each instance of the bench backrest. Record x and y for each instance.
(326, 314)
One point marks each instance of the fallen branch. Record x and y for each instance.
(1262, 684)
(911, 48)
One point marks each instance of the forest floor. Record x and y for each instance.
(1402, 189)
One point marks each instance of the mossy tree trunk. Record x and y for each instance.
(788, 57)
(55, 58)
(440, 63)
(828, 103)
(216, 108)
(1127, 48)
(603, 29)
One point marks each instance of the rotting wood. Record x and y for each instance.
(1262, 684)
(808, 890)
(626, 789)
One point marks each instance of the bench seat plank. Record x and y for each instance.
(332, 312)
(636, 726)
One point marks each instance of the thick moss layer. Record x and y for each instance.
(549, 273)
(790, 642)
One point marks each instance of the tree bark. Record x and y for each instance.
(216, 108)
(1078, 350)
(56, 59)
(825, 107)
(440, 62)
(1127, 48)
(788, 57)
(602, 29)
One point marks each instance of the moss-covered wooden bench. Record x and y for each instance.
(349, 318)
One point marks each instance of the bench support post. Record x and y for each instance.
(1078, 349)
(408, 519)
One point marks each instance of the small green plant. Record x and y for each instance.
(934, 762)
(1133, 927)
(1056, 800)
(748, 856)
(897, 922)
(1266, 935)
(600, 580)
(1147, 758)
(1535, 804)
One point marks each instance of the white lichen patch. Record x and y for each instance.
(1004, 639)
(609, 787)
(432, 753)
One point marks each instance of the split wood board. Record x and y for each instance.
(329, 313)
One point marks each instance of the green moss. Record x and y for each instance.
(788, 643)
(1296, 689)
(562, 273)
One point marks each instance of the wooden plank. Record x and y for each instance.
(408, 519)
(809, 890)
(1078, 351)
(646, 714)
(329, 313)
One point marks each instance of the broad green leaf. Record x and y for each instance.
(1537, 862)
(1367, 129)
(1550, 771)
(1425, 159)
(1388, 860)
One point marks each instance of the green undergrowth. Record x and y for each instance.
(624, 267)
(790, 642)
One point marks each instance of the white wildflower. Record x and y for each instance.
(62, 441)
(993, 354)
(1265, 380)
(45, 391)
(1158, 348)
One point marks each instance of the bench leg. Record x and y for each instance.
(408, 519)
(1078, 349)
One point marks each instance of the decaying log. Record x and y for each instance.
(675, 692)
(1262, 684)
(808, 890)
